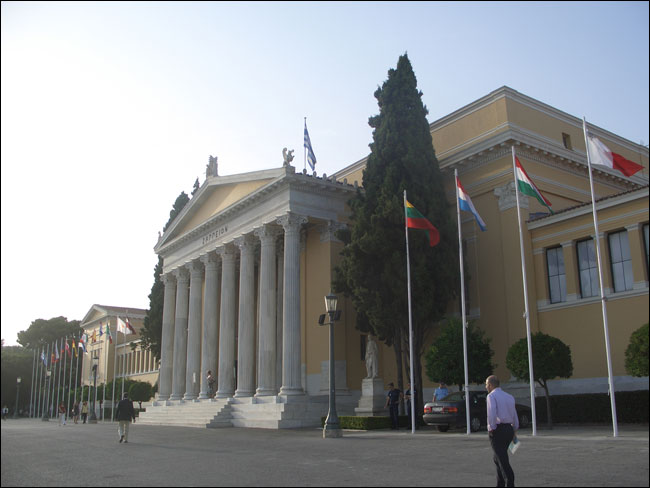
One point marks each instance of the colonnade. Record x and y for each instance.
(200, 322)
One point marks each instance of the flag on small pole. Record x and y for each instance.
(415, 220)
(310, 157)
(600, 154)
(526, 186)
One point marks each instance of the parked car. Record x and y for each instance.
(450, 412)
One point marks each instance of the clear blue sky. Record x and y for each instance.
(110, 110)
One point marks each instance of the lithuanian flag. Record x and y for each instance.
(415, 220)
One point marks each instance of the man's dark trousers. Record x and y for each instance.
(500, 440)
(394, 415)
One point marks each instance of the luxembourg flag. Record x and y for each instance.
(465, 203)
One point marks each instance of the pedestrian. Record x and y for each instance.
(407, 397)
(502, 423)
(440, 392)
(5, 412)
(84, 411)
(392, 403)
(62, 414)
(75, 412)
(211, 382)
(124, 415)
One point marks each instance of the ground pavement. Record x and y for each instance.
(36, 453)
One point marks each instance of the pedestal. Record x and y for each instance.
(373, 399)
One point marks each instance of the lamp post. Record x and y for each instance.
(46, 418)
(17, 394)
(93, 416)
(332, 427)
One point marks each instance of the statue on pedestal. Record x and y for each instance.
(211, 168)
(372, 366)
(288, 157)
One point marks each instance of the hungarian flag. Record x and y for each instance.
(602, 156)
(415, 220)
(527, 187)
(67, 348)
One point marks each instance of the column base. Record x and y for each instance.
(244, 394)
(288, 391)
(224, 394)
(261, 392)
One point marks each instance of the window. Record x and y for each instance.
(588, 268)
(566, 140)
(619, 254)
(556, 276)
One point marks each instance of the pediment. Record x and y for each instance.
(95, 312)
(216, 195)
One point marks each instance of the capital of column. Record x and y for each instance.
(267, 234)
(291, 222)
(228, 252)
(168, 278)
(246, 243)
(195, 268)
(182, 275)
(210, 260)
(508, 198)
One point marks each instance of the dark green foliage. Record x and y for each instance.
(42, 332)
(551, 359)
(151, 332)
(369, 423)
(636, 354)
(444, 360)
(372, 272)
(140, 391)
(631, 407)
(16, 361)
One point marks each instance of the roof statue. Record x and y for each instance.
(211, 169)
(288, 157)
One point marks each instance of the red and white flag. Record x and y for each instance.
(602, 156)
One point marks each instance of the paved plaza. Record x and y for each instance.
(36, 453)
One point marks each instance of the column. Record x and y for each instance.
(266, 378)
(180, 333)
(193, 365)
(210, 320)
(246, 338)
(226, 377)
(291, 356)
(167, 339)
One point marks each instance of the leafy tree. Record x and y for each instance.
(636, 354)
(151, 332)
(402, 158)
(551, 359)
(140, 391)
(16, 361)
(42, 332)
(444, 360)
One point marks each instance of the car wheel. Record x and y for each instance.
(524, 421)
(474, 424)
(443, 428)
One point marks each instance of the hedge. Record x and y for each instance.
(369, 423)
(631, 407)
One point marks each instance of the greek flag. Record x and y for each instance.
(311, 158)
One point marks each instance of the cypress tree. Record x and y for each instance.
(372, 272)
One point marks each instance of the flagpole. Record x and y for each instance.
(76, 373)
(51, 399)
(69, 375)
(408, 280)
(304, 160)
(117, 341)
(124, 362)
(37, 379)
(526, 313)
(31, 386)
(108, 341)
(462, 302)
(603, 299)
(43, 398)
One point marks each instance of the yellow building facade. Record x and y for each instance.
(251, 256)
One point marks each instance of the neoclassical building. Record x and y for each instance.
(251, 256)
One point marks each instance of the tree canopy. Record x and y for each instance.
(636, 354)
(42, 332)
(372, 272)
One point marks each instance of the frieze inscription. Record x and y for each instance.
(215, 234)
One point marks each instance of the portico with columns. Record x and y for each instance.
(235, 289)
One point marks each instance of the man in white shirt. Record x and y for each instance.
(502, 423)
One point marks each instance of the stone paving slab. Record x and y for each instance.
(36, 453)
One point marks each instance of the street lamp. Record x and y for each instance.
(332, 427)
(17, 393)
(46, 418)
(93, 416)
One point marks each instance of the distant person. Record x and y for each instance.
(392, 403)
(125, 414)
(75, 413)
(84, 412)
(62, 413)
(211, 383)
(5, 412)
(440, 392)
(502, 423)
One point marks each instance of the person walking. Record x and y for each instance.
(62, 414)
(75, 413)
(392, 403)
(211, 383)
(5, 412)
(502, 423)
(84, 411)
(125, 413)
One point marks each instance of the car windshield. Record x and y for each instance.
(454, 397)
